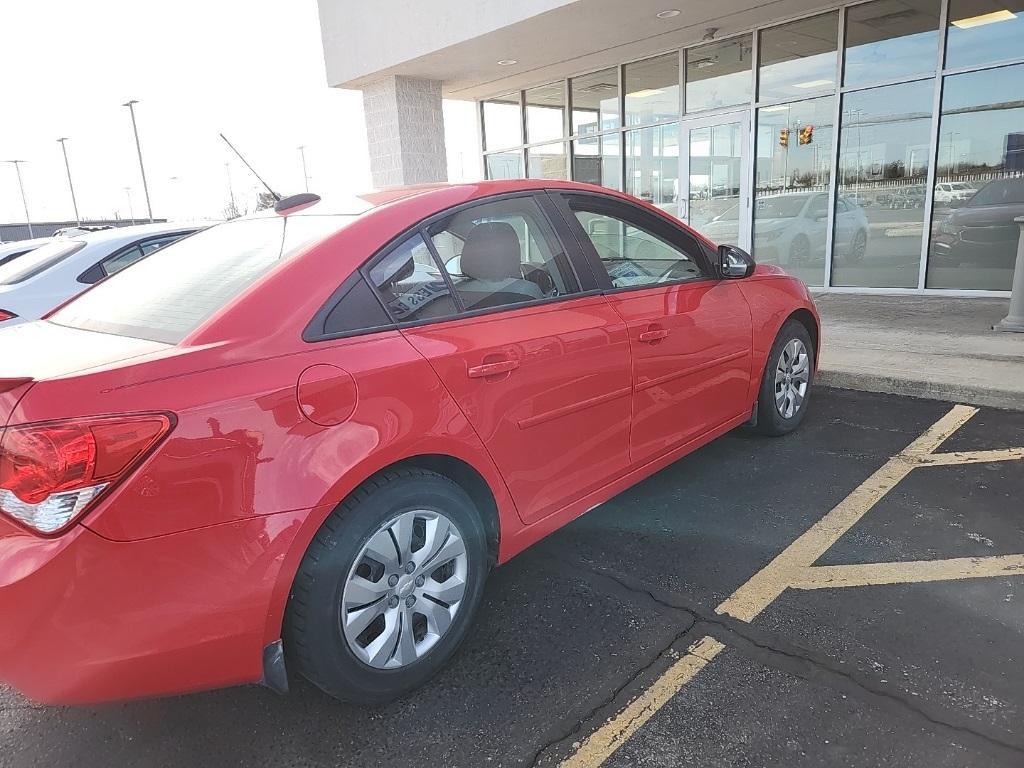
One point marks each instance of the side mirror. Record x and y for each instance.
(734, 262)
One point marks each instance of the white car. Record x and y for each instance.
(39, 281)
(791, 228)
(11, 251)
(953, 193)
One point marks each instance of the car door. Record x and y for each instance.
(526, 345)
(689, 332)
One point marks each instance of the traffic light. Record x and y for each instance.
(806, 134)
(784, 137)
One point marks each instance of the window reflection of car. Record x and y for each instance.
(983, 229)
(953, 193)
(791, 228)
(907, 197)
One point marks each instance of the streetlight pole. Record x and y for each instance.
(145, 187)
(131, 209)
(67, 167)
(24, 202)
(305, 176)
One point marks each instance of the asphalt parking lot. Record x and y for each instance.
(835, 644)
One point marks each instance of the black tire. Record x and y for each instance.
(858, 247)
(313, 635)
(770, 421)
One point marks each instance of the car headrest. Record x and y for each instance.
(492, 252)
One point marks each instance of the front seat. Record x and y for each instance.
(491, 260)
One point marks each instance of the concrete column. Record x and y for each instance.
(1014, 320)
(405, 131)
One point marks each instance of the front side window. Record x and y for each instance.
(503, 253)
(634, 255)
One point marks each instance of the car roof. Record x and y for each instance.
(20, 245)
(133, 232)
(356, 205)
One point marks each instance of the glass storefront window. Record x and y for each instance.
(595, 102)
(545, 113)
(979, 181)
(504, 165)
(719, 74)
(798, 58)
(792, 175)
(596, 160)
(890, 39)
(652, 90)
(547, 161)
(652, 166)
(984, 31)
(503, 122)
(716, 180)
(884, 156)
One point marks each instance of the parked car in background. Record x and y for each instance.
(982, 230)
(791, 229)
(953, 193)
(302, 435)
(11, 251)
(45, 277)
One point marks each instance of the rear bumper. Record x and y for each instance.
(86, 619)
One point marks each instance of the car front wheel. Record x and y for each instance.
(785, 385)
(388, 587)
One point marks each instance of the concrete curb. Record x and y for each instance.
(928, 390)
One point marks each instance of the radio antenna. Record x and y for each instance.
(277, 197)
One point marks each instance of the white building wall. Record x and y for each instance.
(405, 131)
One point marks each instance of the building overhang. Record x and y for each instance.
(467, 44)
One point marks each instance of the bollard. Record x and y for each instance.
(1014, 320)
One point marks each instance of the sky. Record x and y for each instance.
(253, 70)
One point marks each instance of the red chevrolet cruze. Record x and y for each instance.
(305, 437)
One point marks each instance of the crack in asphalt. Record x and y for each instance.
(779, 654)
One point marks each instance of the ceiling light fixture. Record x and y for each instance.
(643, 94)
(668, 13)
(507, 62)
(813, 84)
(985, 18)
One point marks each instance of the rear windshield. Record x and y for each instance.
(169, 294)
(38, 261)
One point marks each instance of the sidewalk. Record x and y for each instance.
(924, 346)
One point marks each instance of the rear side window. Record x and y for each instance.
(38, 261)
(169, 294)
(410, 285)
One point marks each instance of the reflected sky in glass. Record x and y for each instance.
(891, 39)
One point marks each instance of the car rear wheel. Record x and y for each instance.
(785, 386)
(388, 587)
(859, 247)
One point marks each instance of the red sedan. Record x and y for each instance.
(306, 437)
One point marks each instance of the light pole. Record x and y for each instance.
(305, 176)
(145, 187)
(131, 209)
(24, 202)
(67, 167)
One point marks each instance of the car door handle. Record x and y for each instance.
(492, 369)
(657, 334)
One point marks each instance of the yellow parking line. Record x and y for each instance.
(764, 587)
(972, 457)
(600, 745)
(911, 572)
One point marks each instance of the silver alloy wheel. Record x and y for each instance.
(792, 375)
(404, 589)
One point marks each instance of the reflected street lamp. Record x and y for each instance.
(67, 167)
(145, 187)
(24, 202)
(305, 176)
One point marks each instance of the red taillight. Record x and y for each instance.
(50, 473)
(5, 315)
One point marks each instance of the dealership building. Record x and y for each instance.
(872, 146)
